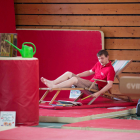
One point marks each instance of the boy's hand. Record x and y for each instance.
(95, 95)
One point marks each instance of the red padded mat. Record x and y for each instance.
(59, 51)
(78, 112)
(31, 133)
(100, 102)
(108, 124)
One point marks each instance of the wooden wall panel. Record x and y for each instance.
(126, 44)
(77, 8)
(108, 31)
(118, 19)
(77, 20)
(133, 67)
(73, 1)
(124, 54)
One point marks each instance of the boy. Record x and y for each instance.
(102, 70)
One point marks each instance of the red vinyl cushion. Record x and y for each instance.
(19, 89)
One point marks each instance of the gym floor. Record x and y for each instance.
(50, 125)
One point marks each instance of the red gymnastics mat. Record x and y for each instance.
(34, 133)
(77, 115)
(98, 103)
(59, 51)
(120, 125)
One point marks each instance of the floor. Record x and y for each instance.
(130, 117)
(50, 125)
(53, 131)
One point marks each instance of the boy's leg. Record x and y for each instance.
(66, 84)
(62, 78)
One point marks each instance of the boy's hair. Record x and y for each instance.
(101, 52)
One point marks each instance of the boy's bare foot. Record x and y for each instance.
(48, 83)
(43, 80)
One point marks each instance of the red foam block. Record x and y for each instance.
(19, 89)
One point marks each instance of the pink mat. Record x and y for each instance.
(78, 112)
(98, 103)
(31, 133)
(108, 124)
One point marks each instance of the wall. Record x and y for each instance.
(7, 14)
(118, 19)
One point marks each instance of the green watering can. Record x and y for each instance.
(26, 51)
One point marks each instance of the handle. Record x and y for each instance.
(32, 44)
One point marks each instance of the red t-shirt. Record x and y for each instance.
(103, 73)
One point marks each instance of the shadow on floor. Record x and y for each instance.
(50, 125)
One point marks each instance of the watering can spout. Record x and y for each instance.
(14, 46)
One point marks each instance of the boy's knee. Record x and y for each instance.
(74, 79)
(69, 74)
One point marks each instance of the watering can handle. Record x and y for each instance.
(32, 44)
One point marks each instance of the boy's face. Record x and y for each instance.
(103, 59)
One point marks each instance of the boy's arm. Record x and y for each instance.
(103, 90)
(85, 73)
